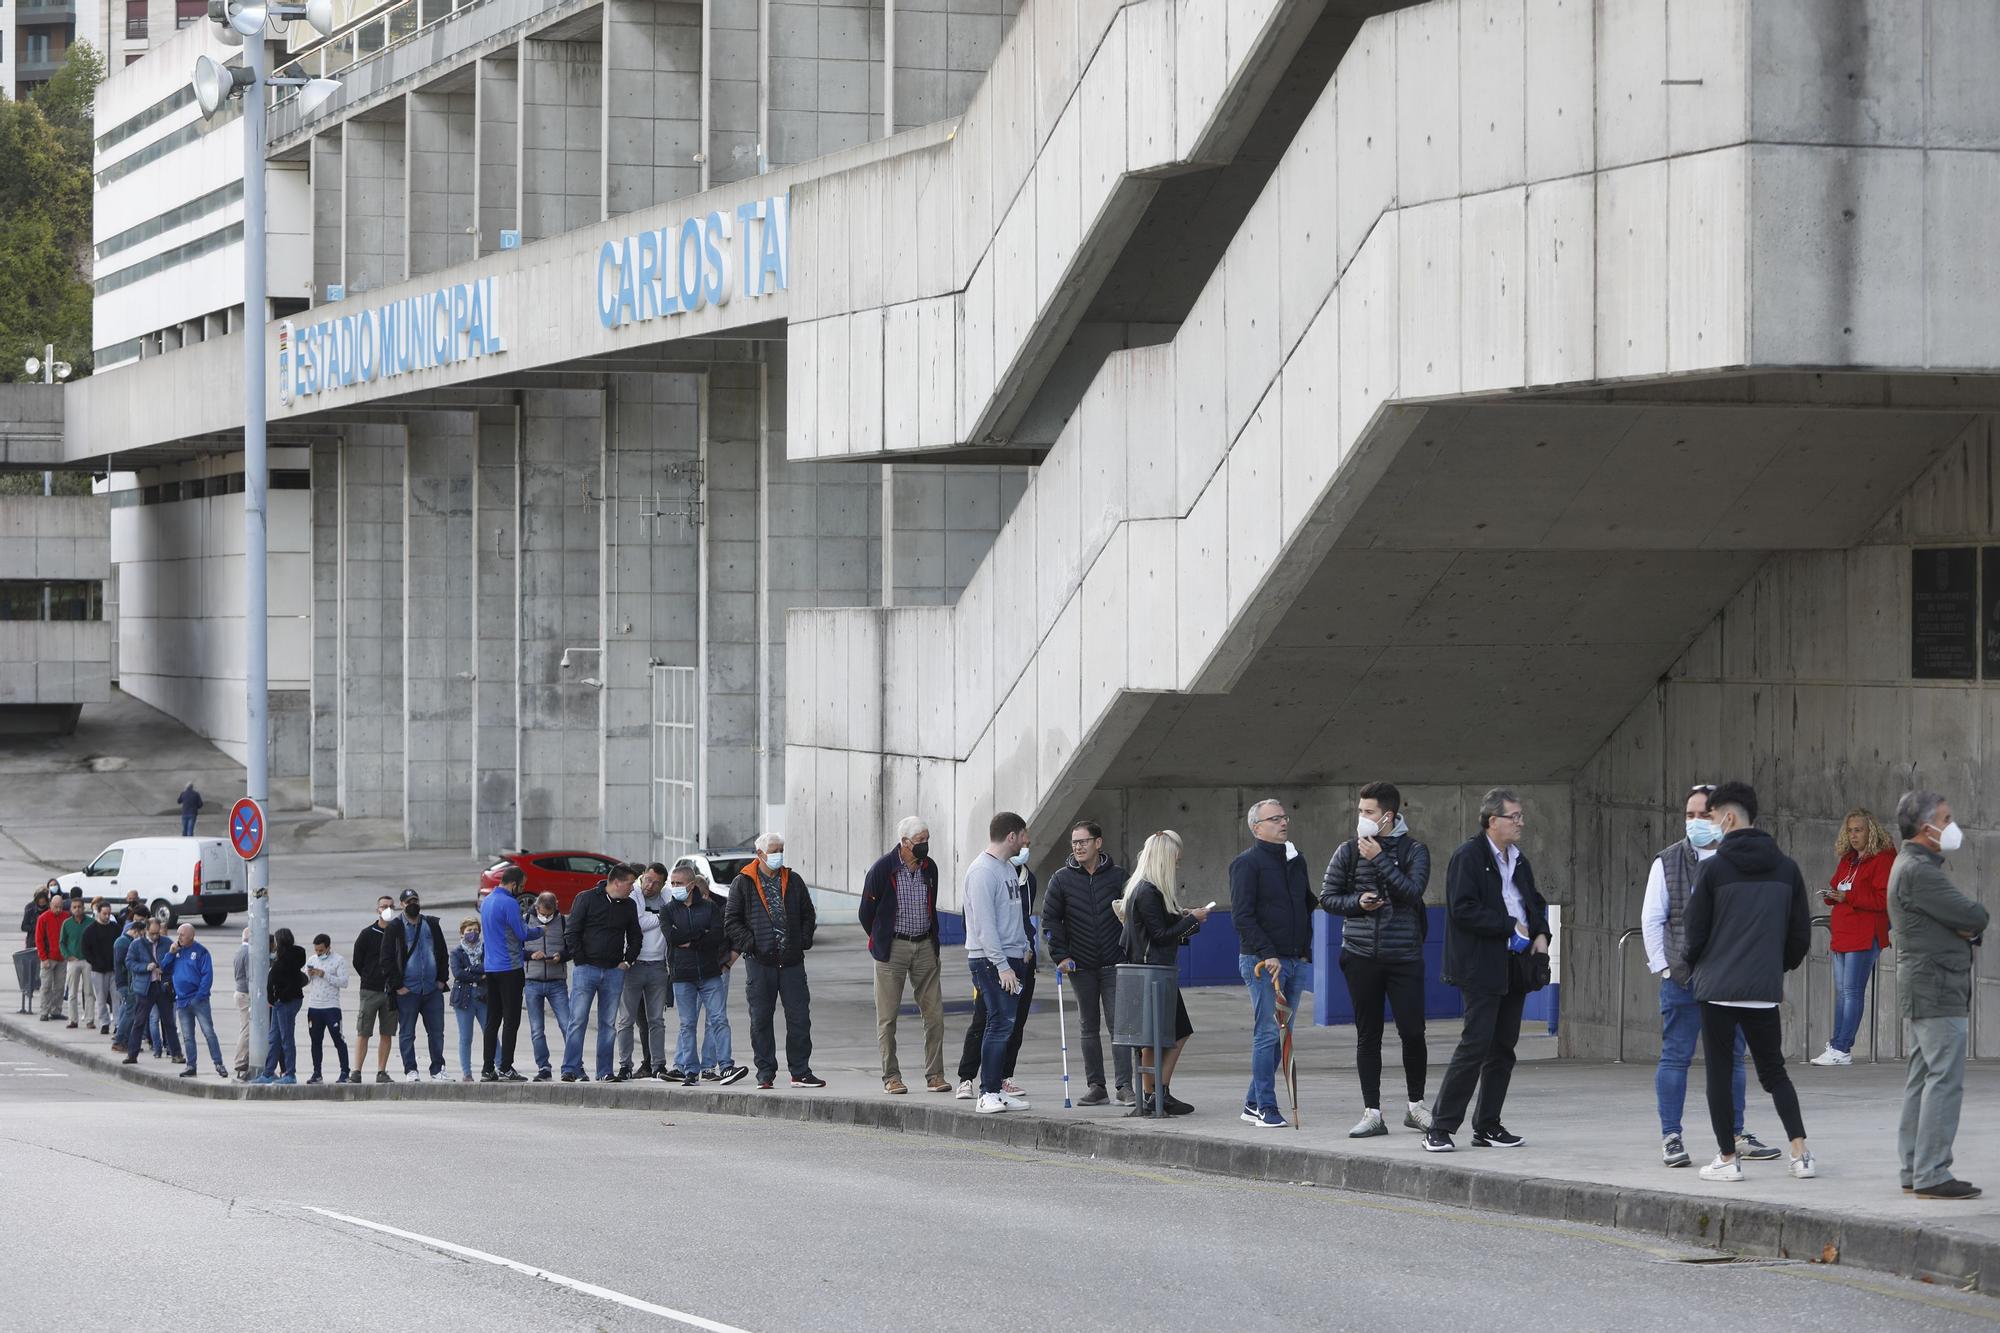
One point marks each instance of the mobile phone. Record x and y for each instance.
(1210, 907)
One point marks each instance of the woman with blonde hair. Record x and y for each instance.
(1858, 893)
(1155, 928)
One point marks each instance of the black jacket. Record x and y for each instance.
(287, 983)
(1476, 920)
(755, 910)
(1152, 933)
(367, 957)
(1747, 920)
(98, 937)
(1077, 914)
(878, 902)
(1271, 902)
(1393, 932)
(696, 940)
(394, 956)
(603, 931)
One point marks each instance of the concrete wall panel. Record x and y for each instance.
(1151, 92)
(1837, 73)
(1427, 103)
(1428, 298)
(1961, 282)
(1561, 281)
(1632, 270)
(1368, 330)
(1561, 92)
(1200, 384)
(1254, 494)
(1708, 262)
(1365, 133)
(1492, 125)
(1493, 247)
(1201, 565)
(1253, 282)
(1631, 81)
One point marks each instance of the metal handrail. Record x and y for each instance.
(1623, 940)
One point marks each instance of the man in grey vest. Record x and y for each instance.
(1663, 921)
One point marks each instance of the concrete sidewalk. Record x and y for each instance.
(1592, 1154)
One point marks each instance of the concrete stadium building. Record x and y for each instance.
(698, 418)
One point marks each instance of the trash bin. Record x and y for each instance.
(27, 974)
(1144, 1014)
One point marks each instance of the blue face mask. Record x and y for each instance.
(1704, 832)
(1020, 858)
(678, 892)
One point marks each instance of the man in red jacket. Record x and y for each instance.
(48, 950)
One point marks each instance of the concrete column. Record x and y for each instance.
(441, 158)
(729, 633)
(329, 244)
(370, 768)
(497, 147)
(651, 577)
(652, 103)
(495, 537)
(946, 517)
(325, 624)
(372, 201)
(560, 718)
(826, 77)
(561, 124)
(437, 638)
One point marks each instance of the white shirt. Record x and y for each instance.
(1512, 895)
(324, 992)
(1653, 916)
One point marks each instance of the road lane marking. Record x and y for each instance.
(529, 1270)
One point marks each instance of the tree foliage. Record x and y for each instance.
(45, 208)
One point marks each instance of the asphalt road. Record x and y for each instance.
(330, 1216)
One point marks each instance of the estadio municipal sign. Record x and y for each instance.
(439, 328)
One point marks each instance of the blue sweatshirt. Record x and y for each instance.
(194, 975)
(503, 931)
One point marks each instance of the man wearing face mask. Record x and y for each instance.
(899, 912)
(770, 921)
(1663, 922)
(416, 969)
(648, 993)
(1376, 882)
(547, 981)
(378, 1006)
(1937, 927)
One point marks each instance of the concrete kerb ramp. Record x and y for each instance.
(1737, 1227)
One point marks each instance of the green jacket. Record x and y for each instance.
(1927, 912)
(71, 939)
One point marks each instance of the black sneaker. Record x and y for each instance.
(1175, 1106)
(1436, 1140)
(1949, 1189)
(612, 1078)
(733, 1074)
(1097, 1096)
(807, 1081)
(676, 1075)
(624, 1072)
(711, 1075)
(644, 1071)
(382, 1076)
(512, 1076)
(542, 1076)
(190, 1073)
(488, 1076)
(1674, 1152)
(1496, 1137)
(690, 1080)
(309, 1082)
(574, 1078)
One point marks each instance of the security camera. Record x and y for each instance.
(564, 664)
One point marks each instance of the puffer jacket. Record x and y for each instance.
(1077, 914)
(696, 940)
(1395, 931)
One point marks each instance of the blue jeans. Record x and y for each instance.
(469, 1014)
(711, 996)
(556, 995)
(606, 985)
(196, 1014)
(1850, 979)
(187, 826)
(1000, 1005)
(1680, 1025)
(430, 1004)
(283, 1052)
(1264, 1023)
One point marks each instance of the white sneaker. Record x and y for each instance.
(1008, 1086)
(1804, 1167)
(1829, 1056)
(1013, 1103)
(1418, 1117)
(1369, 1126)
(965, 1092)
(440, 1077)
(1731, 1170)
(991, 1102)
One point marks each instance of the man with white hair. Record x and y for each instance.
(770, 922)
(1271, 904)
(899, 912)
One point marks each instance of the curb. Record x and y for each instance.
(1747, 1228)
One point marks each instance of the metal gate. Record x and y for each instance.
(676, 763)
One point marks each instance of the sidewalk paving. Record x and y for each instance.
(1592, 1152)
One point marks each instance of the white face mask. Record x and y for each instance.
(1951, 837)
(388, 914)
(1019, 858)
(1364, 827)
(776, 860)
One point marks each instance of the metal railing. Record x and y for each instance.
(1623, 940)
(364, 40)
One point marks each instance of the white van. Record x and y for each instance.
(199, 876)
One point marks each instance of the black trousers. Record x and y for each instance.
(1096, 991)
(968, 1058)
(503, 1017)
(1401, 982)
(766, 987)
(1485, 1057)
(1765, 1036)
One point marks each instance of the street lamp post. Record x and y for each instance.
(214, 84)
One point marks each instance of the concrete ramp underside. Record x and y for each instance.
(1519, 575)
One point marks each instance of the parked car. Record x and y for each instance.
(567, 874)
(197, 876)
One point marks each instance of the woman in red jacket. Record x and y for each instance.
(1859, 896)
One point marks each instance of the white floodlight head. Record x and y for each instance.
(314, 92)
(248, 16)
(62, 369)
(215, 83)
(319, 13)
(33, 365)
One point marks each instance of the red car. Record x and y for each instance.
(565, 874)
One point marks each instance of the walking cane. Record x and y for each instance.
(1062, 1029)
(1285, 1049)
